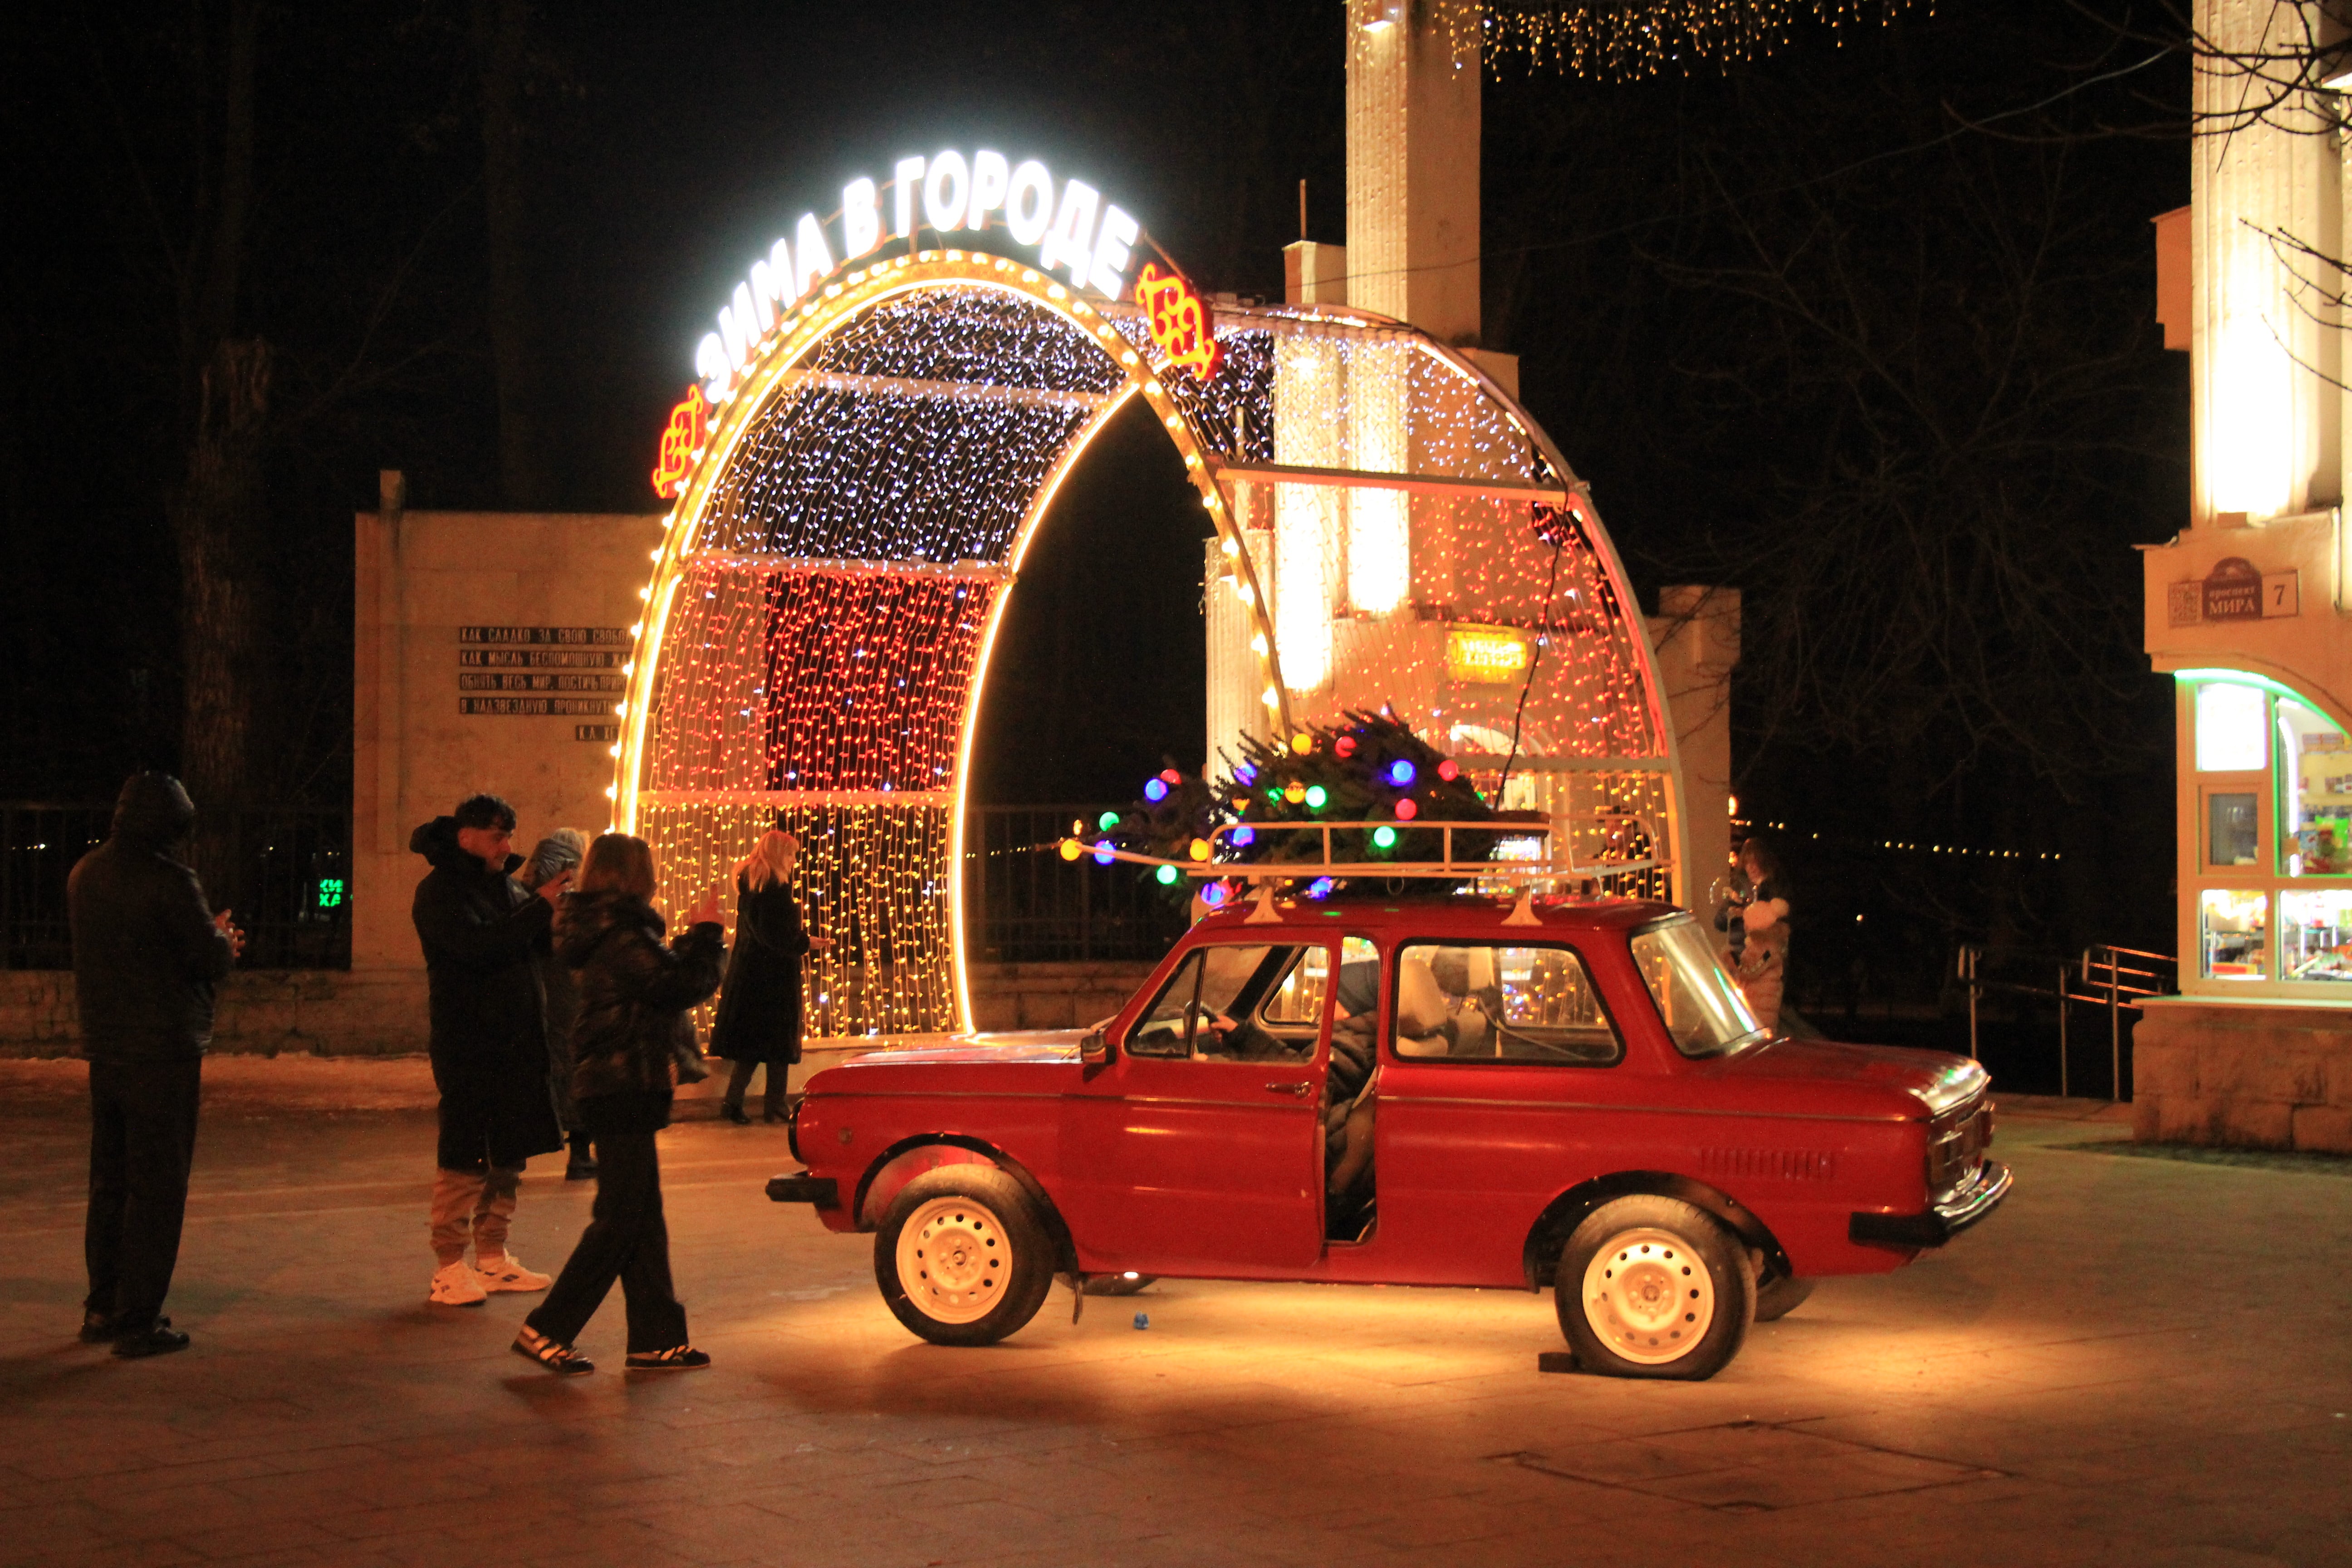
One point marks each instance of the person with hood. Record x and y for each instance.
(555, 854)
(760, 1006)
(148, 956)
(483, 937)
(635, 993)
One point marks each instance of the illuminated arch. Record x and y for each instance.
(828, 589)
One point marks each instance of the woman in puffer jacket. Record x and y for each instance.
(634, 996)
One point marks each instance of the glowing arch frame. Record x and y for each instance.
(793, 334)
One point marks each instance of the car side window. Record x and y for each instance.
(1211, 1007)
(1490, 1002)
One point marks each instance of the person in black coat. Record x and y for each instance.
(759, 1011)
(148, 956)
(557, 852)
(634, 997)
(483, 937)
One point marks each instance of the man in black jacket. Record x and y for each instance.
(148, 954)
(482, 934)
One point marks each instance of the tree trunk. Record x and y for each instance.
(215, 520)
(526, 468)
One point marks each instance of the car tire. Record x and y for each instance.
(1779, 1296)
(1117, 1284)
(961, 1258)
(1651, 1287)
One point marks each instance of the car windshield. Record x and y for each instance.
(1703, 1011)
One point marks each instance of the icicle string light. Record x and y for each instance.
(1625, 40)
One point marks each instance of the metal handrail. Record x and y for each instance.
(2103, 982)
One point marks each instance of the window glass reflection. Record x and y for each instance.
(2314, 785)
(2231, 724)
(2315, 936)
(2233, 925)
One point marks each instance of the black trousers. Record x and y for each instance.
(627, 1240)
(143, 1140)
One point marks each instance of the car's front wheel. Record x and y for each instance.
(1651, 1287)
(961, 1258)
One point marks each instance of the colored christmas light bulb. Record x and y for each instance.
(1107, 821)
(1316, 796)
(1167, 876)
(1345, 746)
(1242, 837)
(1214, 895)
(1072, 849)
(1320, 887)
(1449, 770)
(1384, 837)
(1154, 791)
(1406, 810)
(1401, 773)
(1103, 855)
(1198, 849)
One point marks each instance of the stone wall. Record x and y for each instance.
(2246, 1074)
(382, 1012)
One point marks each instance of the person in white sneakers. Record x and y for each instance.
(483, 936)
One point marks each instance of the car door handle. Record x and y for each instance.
(1299, 1090)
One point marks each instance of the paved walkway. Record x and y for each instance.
(2138, 1362)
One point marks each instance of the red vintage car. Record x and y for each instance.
(1447, 1090)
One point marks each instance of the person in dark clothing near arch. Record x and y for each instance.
(759, 1008)
(482, 936)
(148, 956)
(634, 992)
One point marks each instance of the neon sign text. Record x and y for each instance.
(681, 442)
(1073, 230)
(1178, 320)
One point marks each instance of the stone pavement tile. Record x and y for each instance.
(291, 1541)
(42, 1551)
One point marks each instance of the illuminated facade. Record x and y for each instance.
(2246, 609)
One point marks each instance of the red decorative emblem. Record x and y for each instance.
(689, 422)
(1180, 321)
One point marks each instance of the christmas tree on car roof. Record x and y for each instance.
(1369, 778)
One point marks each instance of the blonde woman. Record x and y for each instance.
(760, 1006)
(634, 992)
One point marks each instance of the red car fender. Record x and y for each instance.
(1565, 1213)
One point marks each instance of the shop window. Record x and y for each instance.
(2314, 793)
(2233, 828)
(2315, 935)
(2231, 728)
(2234, 930)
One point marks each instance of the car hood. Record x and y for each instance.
(1058, 1045)
(1937, 1082)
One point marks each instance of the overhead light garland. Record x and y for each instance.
(1626, 40)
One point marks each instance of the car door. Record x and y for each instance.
(1198, 1147)
(1500, 1060)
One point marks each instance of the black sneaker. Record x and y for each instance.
(677, 1358)
(97, 1328)
(159, 1340)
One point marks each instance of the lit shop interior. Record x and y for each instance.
(2273, 816)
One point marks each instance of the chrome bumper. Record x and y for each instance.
(1938, 1225)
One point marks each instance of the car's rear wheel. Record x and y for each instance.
(1779, 1296)
(1651, 1287)
(961, 1258)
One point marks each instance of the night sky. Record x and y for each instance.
(1820, 325)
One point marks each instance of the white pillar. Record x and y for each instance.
(2266, 351)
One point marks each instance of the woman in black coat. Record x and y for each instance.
(634, 997)
(760, 1006)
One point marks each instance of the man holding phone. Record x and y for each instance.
(482, 934)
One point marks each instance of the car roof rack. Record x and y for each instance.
(1524, 874)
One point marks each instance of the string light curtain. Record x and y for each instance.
(818, 631)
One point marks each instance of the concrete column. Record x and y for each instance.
(2266, 351)
(1413, 166)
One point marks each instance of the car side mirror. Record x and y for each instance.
(1094, 1048)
